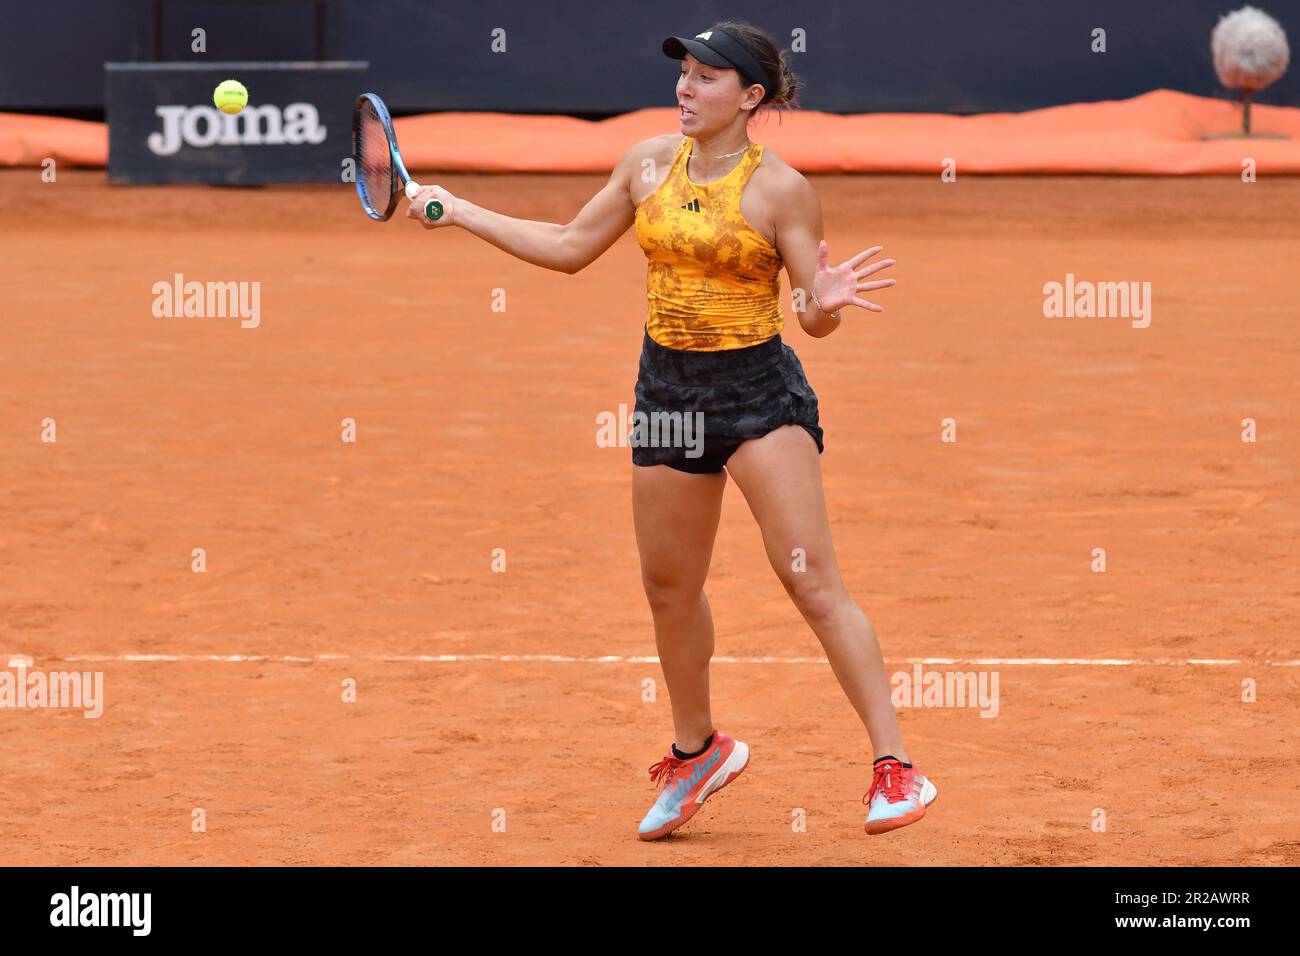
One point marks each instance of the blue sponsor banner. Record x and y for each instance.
(576, 56)
(296, 128)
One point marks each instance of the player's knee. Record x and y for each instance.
(669, 592)
(819, 598)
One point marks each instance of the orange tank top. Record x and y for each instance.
(712, 281)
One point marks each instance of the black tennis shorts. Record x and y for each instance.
(694, 409)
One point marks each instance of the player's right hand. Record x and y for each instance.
(415, 210)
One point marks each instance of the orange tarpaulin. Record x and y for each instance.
(1155, 133)
(29, 140)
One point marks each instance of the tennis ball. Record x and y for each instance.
(230, 96)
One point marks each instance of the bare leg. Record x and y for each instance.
(780, 476)
(676, 517)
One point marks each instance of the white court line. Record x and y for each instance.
(615, 659)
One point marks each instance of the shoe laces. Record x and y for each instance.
(666, 769)
(890, 780)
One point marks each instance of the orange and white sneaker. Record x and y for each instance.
(688, 783)
(898, 796)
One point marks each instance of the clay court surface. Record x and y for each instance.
(476, 430)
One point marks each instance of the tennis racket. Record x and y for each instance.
(379, 165)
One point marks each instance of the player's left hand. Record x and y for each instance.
(415, 209)
(838, 286)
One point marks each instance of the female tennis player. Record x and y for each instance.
(717, 220)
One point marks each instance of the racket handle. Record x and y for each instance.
(432, 209)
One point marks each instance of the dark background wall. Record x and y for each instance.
(565, 56)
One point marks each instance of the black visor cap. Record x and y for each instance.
(719, 48)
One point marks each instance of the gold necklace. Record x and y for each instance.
(723, 156)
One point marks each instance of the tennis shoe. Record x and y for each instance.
(898, 796)
(688, 783)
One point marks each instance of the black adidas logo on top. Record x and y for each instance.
(692, 206)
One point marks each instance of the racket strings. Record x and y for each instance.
(375, 158)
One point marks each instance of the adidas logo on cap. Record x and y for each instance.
(704, 36)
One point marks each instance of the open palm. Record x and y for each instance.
(838, 286)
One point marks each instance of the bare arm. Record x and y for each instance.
(799, 241)
(568, 247)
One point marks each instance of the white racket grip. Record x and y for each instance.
(412, 188)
